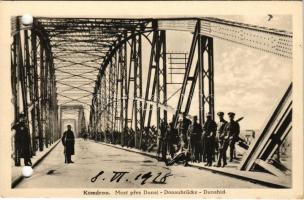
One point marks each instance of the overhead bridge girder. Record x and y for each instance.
(270, 40)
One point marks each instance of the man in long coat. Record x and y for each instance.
(162, 146)
(195, 134)
(68, 141)
(22, 142)
(209, 137)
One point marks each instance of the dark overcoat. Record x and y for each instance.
(22, 140)
(68, 141)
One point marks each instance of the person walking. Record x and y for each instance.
(68, 141)
(222, 140)
(209, 133)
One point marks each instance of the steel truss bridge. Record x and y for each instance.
(60, 63)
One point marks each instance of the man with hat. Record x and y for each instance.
(232, 130)
(68, 141)
(22, 142)
(183, 129)
(172, 139)
(209, 138)
(195, 134)
(222, 140)
(162, 146)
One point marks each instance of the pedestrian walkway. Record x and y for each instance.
(259, 177)
(230, 170)
(95, 164)
(40, 155)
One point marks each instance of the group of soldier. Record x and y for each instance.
(194, 142)
(189, 141)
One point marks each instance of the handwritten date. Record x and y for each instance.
(118, 176)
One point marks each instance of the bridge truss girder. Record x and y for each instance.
(33, 84)
(80, 126)
(204, 70)
(79, 45)
(134, 111)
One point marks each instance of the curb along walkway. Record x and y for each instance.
(256, 177)
(40, 155)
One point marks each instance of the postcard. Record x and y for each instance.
(135, 99)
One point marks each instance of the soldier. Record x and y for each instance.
(233, 131)
(183, 130)
(209, 135)
(68, 141)
(162, 146)
(22, 142)
(222, 141)
(172, 139)
(195, 134)
(145, 138)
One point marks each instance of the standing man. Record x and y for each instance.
(172, 139)
(22, 142)
(195, 134)
(68, 141)
(162, 142)
(233, 131)
(222, 140)
(209, 132)
(183, 130)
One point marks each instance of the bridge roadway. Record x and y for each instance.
(91, 158)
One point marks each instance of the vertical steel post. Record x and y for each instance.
(211, 76)
(42, 93)
(201, 79)
(187, 72)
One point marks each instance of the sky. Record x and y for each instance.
(248, 81)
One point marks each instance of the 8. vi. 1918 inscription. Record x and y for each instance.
(119, 176)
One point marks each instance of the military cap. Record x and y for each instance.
(220, 113)
(231, 113)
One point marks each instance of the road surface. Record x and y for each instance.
(100, 166)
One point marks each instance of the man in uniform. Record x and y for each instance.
(162, 146)
(68, 141)
(222, 141)
(233, 131)
(172, 139)
(22, 142)
(183, 130)
(195, 134)
(209, 135)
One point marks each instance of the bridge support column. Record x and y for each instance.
(206, 77)
(135, 76)
(203, 69)
(123, 84)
